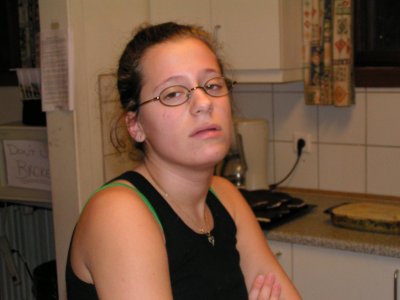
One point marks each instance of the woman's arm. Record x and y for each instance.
(256, 258)
(119, 246)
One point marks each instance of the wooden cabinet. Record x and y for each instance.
(261, 39)
(330, 274)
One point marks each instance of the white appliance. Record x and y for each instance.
(254, 137)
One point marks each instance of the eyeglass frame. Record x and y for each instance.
(190, 91)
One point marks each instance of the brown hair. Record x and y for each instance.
(129, 75)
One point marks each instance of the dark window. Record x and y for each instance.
(9, 40)
(377, 42)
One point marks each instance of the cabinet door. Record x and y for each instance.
(328, 274)
(249, 32)
(186, 11)
(261, 39)
(283, 253)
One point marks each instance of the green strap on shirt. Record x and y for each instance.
(143, 197)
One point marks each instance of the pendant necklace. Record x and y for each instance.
(210, 237)
(203, 229)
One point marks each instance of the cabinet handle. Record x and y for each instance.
(396, 275)
(278, 254)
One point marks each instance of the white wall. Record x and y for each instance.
(355, 149)
(98, 31)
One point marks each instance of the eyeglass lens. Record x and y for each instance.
(177, 95)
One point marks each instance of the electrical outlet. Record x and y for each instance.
(307, 139)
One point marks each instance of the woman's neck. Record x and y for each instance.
(186, 186)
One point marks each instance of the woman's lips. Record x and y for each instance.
(206, 131)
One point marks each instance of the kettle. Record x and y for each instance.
(246, 165)
(234, 164)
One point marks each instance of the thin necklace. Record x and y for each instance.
(203, 229)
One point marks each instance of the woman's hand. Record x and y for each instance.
(265, 288)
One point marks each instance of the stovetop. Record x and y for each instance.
(275, 208)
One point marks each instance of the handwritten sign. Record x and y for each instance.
(27, 164)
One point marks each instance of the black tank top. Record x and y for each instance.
(197, 269)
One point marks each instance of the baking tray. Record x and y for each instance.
(273, 209)
(365, 216)
(270, 223)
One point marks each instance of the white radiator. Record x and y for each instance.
(30, 232)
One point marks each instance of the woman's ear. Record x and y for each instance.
(134, 127)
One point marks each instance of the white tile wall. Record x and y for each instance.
(305, 174)
(248, 97)
(292, 115)
(289, 87)
(342, 168)
(383, 175)
(383, 115)
(343, 125)
(355, 149)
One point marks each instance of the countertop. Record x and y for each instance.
(316, 229)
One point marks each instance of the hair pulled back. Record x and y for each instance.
(129, 74)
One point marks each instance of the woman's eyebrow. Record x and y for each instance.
(175, 78)
(170, 79)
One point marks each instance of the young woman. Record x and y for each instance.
(170, 229)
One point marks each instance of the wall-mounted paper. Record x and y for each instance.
(56, 80)
(27, 164)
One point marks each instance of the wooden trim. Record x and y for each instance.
(377, 76)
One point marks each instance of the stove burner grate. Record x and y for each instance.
(275, 208)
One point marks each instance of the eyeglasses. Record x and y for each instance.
(178, 94)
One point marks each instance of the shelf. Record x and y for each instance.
(17, 130)
(25, 196)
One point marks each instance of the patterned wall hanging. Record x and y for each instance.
(328, 52)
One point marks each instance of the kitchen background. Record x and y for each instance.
(354, 149)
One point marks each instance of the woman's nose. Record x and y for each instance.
(200, 100)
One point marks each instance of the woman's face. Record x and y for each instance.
(196, 133)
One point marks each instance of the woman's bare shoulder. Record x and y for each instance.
(119, 201)
(116, 223)
(221, 184)
(228, 194)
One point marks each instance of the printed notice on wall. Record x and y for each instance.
(27, 164)
(56, 81)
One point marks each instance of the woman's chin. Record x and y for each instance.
(211, 159)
